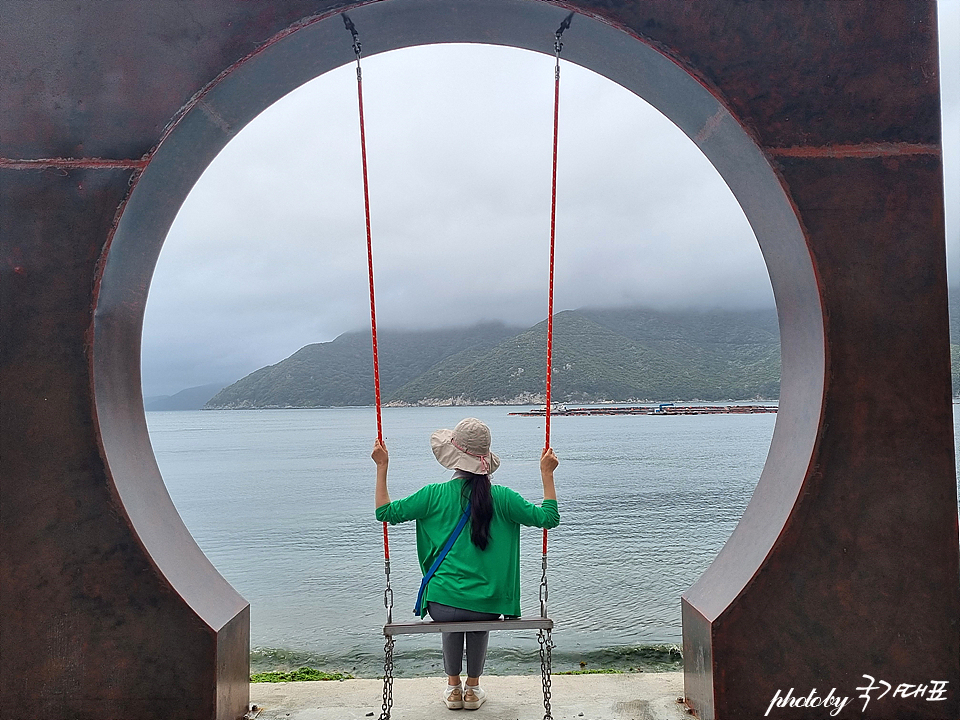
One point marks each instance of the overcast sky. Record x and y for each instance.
(268, 253)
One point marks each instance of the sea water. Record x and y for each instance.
(281, 501)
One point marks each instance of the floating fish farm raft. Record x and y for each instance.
(662, 409)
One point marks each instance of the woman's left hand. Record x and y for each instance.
(380, 455)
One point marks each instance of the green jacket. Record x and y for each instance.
(469, 578)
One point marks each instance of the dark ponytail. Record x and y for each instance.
(481, 507)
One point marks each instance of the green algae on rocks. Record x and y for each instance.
(299, 675)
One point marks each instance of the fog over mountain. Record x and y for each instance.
(598, 356)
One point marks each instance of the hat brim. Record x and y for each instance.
(452, 458)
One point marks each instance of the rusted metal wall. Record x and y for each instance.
(846, 561)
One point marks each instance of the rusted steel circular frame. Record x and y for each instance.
(319, 44)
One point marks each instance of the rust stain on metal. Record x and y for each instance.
(74, 164)
(868, 150)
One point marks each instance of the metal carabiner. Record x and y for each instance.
(348, 24)
(558, 43)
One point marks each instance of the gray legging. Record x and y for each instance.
(453, 642)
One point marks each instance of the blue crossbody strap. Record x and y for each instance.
(436, 563)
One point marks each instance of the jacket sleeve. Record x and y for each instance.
(519, 510)
(412, 507)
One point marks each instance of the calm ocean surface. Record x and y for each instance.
(282, 503)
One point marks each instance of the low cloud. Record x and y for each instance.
(268, 252)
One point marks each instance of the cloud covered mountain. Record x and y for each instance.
(599, 355)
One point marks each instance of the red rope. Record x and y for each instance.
(553, 238)
(373, 302)
(366, 209)
(553, 243)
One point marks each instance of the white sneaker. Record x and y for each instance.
(453, 697)
(473, 696)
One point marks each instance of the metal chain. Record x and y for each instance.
(387, 678)
(558, 43)
(544, 593)
(558, 46)
(388, 593)
(387, 648)
(546, 665)
(545, 638)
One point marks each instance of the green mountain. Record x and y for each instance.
(598, 355)
(618, 355)
(340, 372)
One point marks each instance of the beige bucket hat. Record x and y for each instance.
(466, 447)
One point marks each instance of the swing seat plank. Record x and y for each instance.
(429, 626)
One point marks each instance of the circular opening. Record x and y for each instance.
(266, 256)
(288, 62)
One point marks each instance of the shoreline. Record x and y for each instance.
(663, 409)
(524, 401)
(426, 661)
(259, 676)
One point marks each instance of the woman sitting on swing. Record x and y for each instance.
(479, 578)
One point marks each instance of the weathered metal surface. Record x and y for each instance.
(823, 117)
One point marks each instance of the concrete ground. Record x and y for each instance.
(630, 696)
